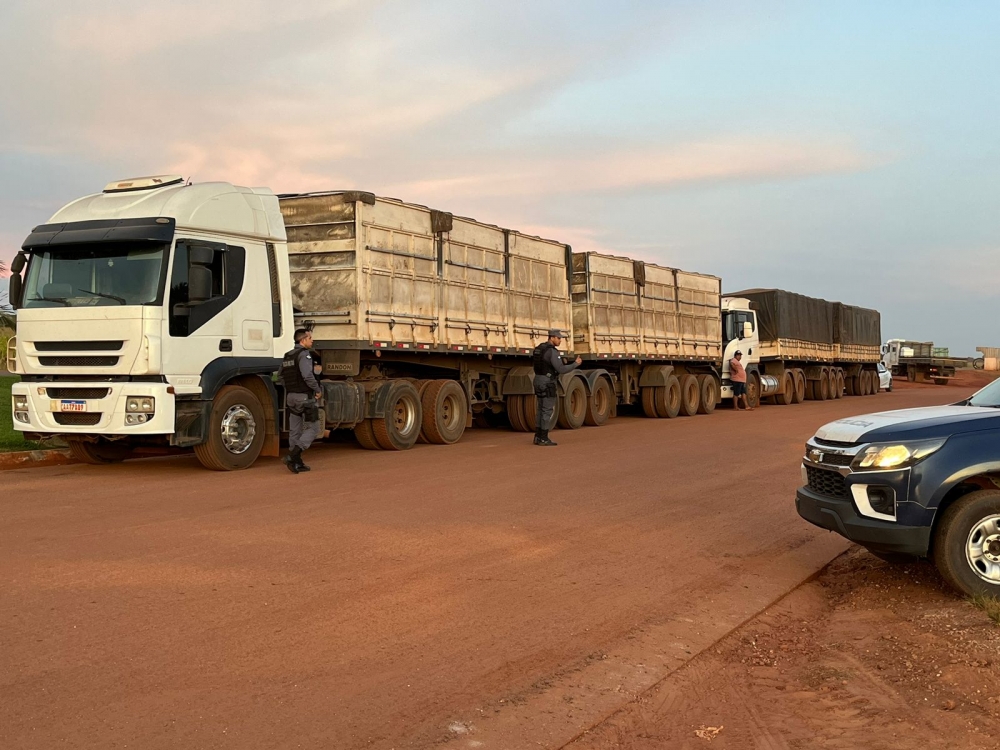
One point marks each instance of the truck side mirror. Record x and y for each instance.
(199, 284)
(14, 291)
(747, 330)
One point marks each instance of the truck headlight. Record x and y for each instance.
(20, 403)
(895, 455)
(142, 404)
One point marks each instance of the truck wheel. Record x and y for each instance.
(690, 395)
(851, 386)
(668, 398)
(834, 392)
(940, 381)
(709, 387)
(365, 436)
(966, 545)
(445, 409)
(841, 384)
(235, 431)
(648, 394)
(573, 405)
(800, 386)
(529, 412)
(515, 414)
(911, 374)
(399, 429)
(599, 404)
(753, 390)
(821, 388)
(786, 395)
(421, 386)
(872, 383)
(98, 453)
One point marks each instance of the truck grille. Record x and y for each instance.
(77, 393)
(78, 346)
(76, 419)
(825, 482)
(66, 361)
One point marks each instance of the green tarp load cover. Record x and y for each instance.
(787, 315)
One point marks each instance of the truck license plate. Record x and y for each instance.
(73, 405)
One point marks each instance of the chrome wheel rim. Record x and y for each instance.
(983, 549)
(238, 429)
(404, 415)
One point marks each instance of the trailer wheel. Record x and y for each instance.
(800, 386)
(529, 412)
(421, 386)
(98, 453)
(599, 404)
(940, 381)
(966, 546)
(668, 398)
(868, 387)
(787, 393)
(753, 390)
(832, 384)
(911, 374)
(851, 385)
(515, 413)
(841, 384)
(648, 394)
(365, 435)
(400, 428)
(445, 410)
(709, 388)
(235, 431)
(572, 405)
(690, 395)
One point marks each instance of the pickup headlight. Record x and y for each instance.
(143, 404)
(895, 455)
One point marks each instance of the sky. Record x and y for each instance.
(845, 150)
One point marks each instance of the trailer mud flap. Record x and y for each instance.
(655, 375)
(519, 382)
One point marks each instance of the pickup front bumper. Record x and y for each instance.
(840, 515)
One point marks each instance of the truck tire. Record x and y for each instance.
(573, 405)
(834, 393)
(753, 390)
(529, 412)
(668, 398)
(421, 386)
(851, 385)
(940, 381)
(365, 436)
(810, 391)
(966, 543)
(786, 394)
(869, 386)
(821, 388)
(648, 395)
(911, 374)
(99, 453)
(599, 404)
(400, 428)
(800, 386)
(709, 387)
(235, 430)
(841, 384)
(978, 363)
(876, 383)
(515, 413)
(445, 410)
(690, 395)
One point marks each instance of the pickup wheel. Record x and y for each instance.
(573, 405)
(235, 430)
(400, 428)
(445, 410)
(690, 395)
(599, 404)
(365, 436)
(668, 398)
(98, 453)
(709, 394)
(966, 544)
(786, 394)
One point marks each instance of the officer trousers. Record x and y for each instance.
(303, 420)
(545, 394)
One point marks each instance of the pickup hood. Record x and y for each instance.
(910, 424)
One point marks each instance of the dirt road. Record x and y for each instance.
(489, 594)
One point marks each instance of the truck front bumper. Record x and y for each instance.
(103, 411)
(879, 536)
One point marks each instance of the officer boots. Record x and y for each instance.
(294, 460)
(542, 438)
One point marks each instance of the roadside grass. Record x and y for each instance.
(10, 440)
(5, 336)
(989, 604)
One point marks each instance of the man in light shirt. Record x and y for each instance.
(738, 374)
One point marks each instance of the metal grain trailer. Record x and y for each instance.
(652, 332)
(424, 321)
(807, 348)
(919, 361)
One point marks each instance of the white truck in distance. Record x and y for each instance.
(153, 316)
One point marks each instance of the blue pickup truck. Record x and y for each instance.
(914, 483)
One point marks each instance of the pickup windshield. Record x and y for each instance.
(988, 396)
(93, 275)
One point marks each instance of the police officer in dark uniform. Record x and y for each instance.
(302, 392)
(548, 366)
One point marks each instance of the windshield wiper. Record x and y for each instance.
(63, 300)
(106, 296)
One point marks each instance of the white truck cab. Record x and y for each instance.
(151, 314)
(739, 333)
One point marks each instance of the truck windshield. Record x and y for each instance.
(92, 275)
(988, 396)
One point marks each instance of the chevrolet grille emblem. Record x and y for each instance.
(815, 455)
